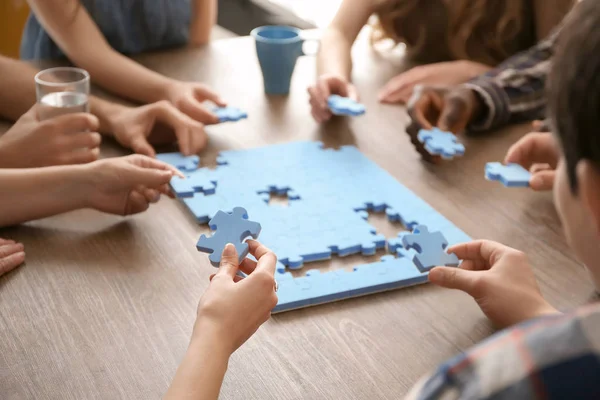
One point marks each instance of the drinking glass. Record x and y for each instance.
(62, 90)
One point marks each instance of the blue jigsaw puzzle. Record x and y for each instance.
(511, 175)
(440, 143)
(345, 106)
(330, 193)
(229, 114)
(430, 248)
(231, 228)
(179, 161)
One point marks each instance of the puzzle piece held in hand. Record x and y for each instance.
(229, 228)
(345, 106)
(511, 175)
(440, 143)
(179, 161)
(229, 114)
(431, 249)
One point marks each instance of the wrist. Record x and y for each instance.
(168, 88)
(107, 113)
(86, 181)
(207, 334)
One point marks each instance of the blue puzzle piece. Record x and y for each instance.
(511, 175)
(179, 161)
(440, 143)
(334, 189)
(345, 106)
(229, 228)
(431, 249)
(229, 114)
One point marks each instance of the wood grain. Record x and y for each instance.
(104, 306)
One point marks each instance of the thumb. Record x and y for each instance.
(453, 278)
(140, 145)
(229, 261)
(543, 180)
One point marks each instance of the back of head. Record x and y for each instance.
(574, 88)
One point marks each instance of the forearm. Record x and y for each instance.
(29, 194)
(18, 88)
(200, 375)
(204, 17)
(515, 90)
(335, 54)
(74, 31)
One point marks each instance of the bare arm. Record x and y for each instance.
(549, 14)
(204, 17)
(18, 88)
(29, 194)
(74, 31)
(336, 43)
(200, 375)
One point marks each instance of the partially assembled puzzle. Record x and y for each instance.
(330, 192)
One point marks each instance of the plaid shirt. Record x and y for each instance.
(515, 90)
(555, 357)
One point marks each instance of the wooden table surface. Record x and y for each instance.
(104, 306)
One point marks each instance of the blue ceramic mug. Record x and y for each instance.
(278, 47)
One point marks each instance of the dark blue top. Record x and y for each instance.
(129, 26)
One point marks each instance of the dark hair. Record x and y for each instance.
(574, 88)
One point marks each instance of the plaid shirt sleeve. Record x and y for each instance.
(515, 90)
(554, 357)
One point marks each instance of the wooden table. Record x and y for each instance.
(105, 305)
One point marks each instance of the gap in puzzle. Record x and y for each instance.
(330, 193)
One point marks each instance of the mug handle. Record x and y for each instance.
(310, 36)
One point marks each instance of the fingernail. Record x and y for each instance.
(229, 250)
(156, 198)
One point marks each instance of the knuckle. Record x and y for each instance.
(273, 301)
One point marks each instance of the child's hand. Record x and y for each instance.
(67, 139)
(11, 255)
(157, 124)
(127, 185)
(539, 153)
(449, 109)
(233, 308)
(188, 98)
(500, 280)
(319, 93)
(400, 88)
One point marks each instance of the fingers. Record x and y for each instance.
(266, 259)
(190, 133)
(229, 261)
(151, 195)
(543, 180)
(352, 92)
(534, 148)
(202, 93)
(319, 109)
(84, 140)
(11, 261)
(79, 156)
(455, 114)
(140, 145)
(10, 248)
(398, 90)
(74, 123)
(136, 203)
(152, 163)
(424, 106)
(481, 252)
(455, 278)
(197, 111)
